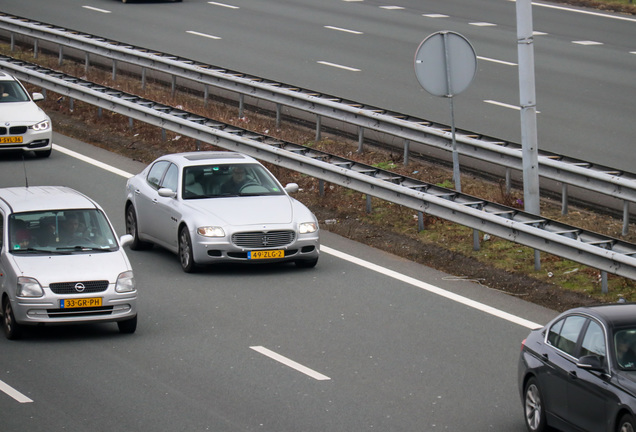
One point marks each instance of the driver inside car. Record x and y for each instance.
(234, 184)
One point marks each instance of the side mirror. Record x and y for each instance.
(37, 97)
(591, 362)
(291, 188)
(126, 239)
(166, 193)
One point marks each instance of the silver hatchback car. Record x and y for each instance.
(215, 207)
(60, 262)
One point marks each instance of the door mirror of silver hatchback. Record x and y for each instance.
(126, 239)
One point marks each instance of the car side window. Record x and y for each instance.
(1, 230)
(156, 173)
(594, 341)
(568, 335)
(171, 179)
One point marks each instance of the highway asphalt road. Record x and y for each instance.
(365, 341)
(363, 50)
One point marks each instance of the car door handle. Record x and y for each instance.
(137, 191)
(572, 374)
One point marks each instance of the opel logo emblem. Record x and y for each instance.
(79, 287)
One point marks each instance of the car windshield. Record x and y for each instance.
(11, 91)
(214, 181)
(60, 231)
(625, 345)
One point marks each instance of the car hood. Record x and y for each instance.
(74, 267)
(246, 210)
(21, 112)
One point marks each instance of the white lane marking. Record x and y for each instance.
(338, 66)
(290, 363)
(352, 259)
(205, 35)
(97, 9)
(223, 5)
(92, 161)
(505, 105)
(482, 24)
(343, 30)
(435, 15)
(10, 391)
(431, 288)
(391, 7)
(496, 61)
(587, 42)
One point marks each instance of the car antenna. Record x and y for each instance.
(26, 178)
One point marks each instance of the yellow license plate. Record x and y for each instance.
(266, 254)
(11, 140)
(81, 303)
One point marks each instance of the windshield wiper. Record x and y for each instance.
(34, 250)
(85, 248)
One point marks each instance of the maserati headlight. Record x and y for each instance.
(307, 227)
(211, 231)
(41, 126)
(29, 287)
(125, 282)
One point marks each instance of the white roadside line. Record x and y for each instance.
(223, 5)
(366, 264)
(97, 9)
(431, 288)
(343, 30)
(339, 66)
(488, 59)
(290, 363)
(205, 35)
(10, 391)
(92, 161)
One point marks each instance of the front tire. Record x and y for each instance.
(533, 408)
(12, 329)
(626, 424)
(307, 263)
(132, 229)
(127, 327)
(43, 154)
(185, 251)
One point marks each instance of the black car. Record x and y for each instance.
(578, 373)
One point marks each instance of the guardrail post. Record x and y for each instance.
(164, 138)
(360, 138)
(406, 152)
(369, 208)
(143, 78)
(206, 95)
(604, 288)
(35, 48)
(12, 42)
(318, 127)
(114, 69)
(475, 240)
(278, 110)
(87, 63)
(625, 217)
(71, 104)
(321, 187)
(508, 181)
(130, 123)
(537, 259)
(174, 85)
(420, 221)
(564, 199)
(60, 58)
(241, 106)
(99, 112)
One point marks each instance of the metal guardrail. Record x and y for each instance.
(568, 171)
(589, 248)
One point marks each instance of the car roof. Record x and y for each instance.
(6, 77)
(614, 314)
(35, 198)
(208, 157)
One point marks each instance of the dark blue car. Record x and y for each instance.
(578, 373)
